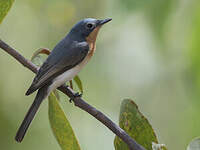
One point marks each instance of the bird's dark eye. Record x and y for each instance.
(90, 25)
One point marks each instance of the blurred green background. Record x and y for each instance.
(150, 52)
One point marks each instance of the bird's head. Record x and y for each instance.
(88, 28)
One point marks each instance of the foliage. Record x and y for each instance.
(136, 125)
(5, 6)
(61, 127)
(37, 57)
(79, 83)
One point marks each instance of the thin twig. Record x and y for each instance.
(78, 101)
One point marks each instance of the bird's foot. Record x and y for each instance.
(75, 96)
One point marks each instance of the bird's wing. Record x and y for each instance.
(60, 60)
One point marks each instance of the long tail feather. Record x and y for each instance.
(41, 95)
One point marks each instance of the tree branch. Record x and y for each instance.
(78, 101)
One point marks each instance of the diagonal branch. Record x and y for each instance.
(78, 101)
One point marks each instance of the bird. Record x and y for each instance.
(65, 61)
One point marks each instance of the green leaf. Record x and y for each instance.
(55, 92)
(40, 51)
(79, 83)
(5, 6)
(37, 58)
(60, 126)
(194, 144)
(71, 84)
(136, 125)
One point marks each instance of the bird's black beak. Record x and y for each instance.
(102, 22)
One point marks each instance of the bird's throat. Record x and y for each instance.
(91, 39)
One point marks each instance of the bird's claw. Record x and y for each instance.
(75, 96)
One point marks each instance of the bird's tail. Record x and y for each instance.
(41, 94)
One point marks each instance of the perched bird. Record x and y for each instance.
(68, 57)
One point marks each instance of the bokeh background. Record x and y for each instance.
(150, 53)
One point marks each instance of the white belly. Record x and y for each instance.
(67, 76)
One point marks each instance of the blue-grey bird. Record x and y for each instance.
(66, 60)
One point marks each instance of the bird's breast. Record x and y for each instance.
(91, 40)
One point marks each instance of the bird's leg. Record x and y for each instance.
(75, 96)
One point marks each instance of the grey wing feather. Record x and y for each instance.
(60, 60)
